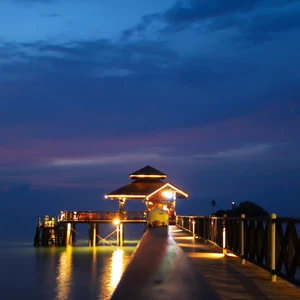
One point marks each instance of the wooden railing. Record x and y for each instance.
(251, 239)
(89, 216)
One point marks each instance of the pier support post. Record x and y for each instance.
(69, 234)
(242, 240)
(121, 234)
(224, 234)
(273, 248)
(93, 234)
(193, 227)
(97, 225)
(118, 234)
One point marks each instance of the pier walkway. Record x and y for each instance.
(227, 276)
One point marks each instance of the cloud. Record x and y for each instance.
(117, 159)
(88, 57)
(54, 15)
(255, 19)
(245, 151)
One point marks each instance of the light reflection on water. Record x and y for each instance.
(117, 268)
(64, 278)
(62, 273)
(106, 265)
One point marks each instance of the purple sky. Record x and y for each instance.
(205, 91)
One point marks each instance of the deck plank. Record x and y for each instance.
(227, 276)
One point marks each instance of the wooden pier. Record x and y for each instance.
(61, 230)
(237, 258)
(147, 186)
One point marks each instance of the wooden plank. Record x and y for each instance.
(159, 269)
(228, 277)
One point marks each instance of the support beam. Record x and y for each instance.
(121, 234)
(69, 235)
(94, 237)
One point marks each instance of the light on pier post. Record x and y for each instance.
(69, 236)
(224, 234)
(193, 224)
(94, 235)
(242, 245)
(120, 232)
(273, 247)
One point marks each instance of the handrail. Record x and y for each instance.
(257, 242)
(84, 216)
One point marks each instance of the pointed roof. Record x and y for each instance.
(144, 190)
(149, 173)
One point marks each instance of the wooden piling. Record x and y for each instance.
(93, 236)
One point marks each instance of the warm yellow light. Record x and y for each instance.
(125, 196)
(167, 194)
(148, 176)
(63, 281)
(116, 268)
(168, 185)
(116, 221)
(206, 255)
(231, 255)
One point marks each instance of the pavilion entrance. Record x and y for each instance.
(148, 185)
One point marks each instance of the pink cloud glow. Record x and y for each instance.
(18, 150)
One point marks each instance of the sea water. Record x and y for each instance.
(63, 273)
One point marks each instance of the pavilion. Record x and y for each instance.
(149, 186)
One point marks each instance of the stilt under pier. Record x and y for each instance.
(94, 234)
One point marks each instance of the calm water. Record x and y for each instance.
(61, 273)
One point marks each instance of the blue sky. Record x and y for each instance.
(205, 91)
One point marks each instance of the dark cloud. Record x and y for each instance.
(53, 15)
(224, 15)
(100, 58)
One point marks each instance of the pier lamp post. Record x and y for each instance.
(120, 232)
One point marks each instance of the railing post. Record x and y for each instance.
(193, 224)
(69, 236)
(224, 234)
(118, 235)
(121, 234)
(242, 240)
(273, 247)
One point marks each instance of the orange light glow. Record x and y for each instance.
(207, 255)
(231, 255)
(125, 196)
(116, 221)
(148, 176)
(170, 186)
(167, 194)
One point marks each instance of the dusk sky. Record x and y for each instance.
(207, 92)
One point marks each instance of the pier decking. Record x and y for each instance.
(167, 273)
(227, 276)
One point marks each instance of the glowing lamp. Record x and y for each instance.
(167, 194)
(116, 221)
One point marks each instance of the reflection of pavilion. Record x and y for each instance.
(148, 186)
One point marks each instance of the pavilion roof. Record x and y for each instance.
(147, 173)
(144, 190)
